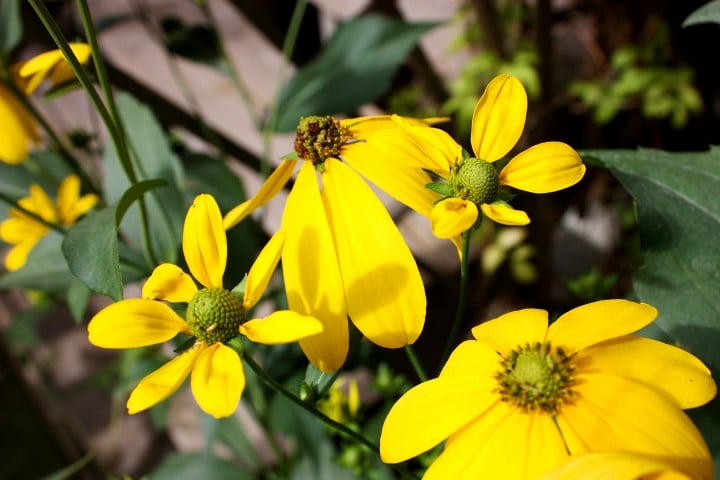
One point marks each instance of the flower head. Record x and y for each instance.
(25, 231)
(18, 127)
(343, 254)
(520, 397)
(214, 316)
(52, 65)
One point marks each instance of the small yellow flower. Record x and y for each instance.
(520, 397)
(616, 466)
(343, 402)
(24, 232)
(52, 65)
(214, 316)
(18, 127)
(343, 254)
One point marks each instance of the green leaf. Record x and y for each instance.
(355, 68)
(318, 381)
(708, 13)
(443, 188)
(679, 221)
(192, 466)
(78, 295)
(45, 270)
(11, 26)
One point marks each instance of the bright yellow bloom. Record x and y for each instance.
(343, 254)
(521, 396)
(214, 317)
(18, 127)
(475, 183)
(616, 466)
(24, 232)
(52, 65)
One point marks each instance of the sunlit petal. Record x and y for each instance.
(204, 242)
(598, 321)
(283, 326)
(472, 358)
(615, 465)
(543, 168)
(452, 217)
(18, 127)
(163, 382)
(442, 151)
(511, 330)
(384, 291)
(168, 282)
(218, 380)
(262, 270)
(504, 214)
(499, 118)
(134, 322)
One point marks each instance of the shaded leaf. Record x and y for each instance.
(191, 466)
(45, 270)
(78, 295)
(708, 13)
(11, 26)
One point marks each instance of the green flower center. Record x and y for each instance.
(475, 180)
(319, 138)
(214, 315)
(536, 377)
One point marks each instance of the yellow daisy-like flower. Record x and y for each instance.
(52, 65)
(24, 231)
(214, 316)
(616, 466)
(518, 399)
(343, 254)
(18, 127)
(475, 183)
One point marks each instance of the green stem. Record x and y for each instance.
(462, 298)
(419, 371)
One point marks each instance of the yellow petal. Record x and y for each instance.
(680, 374)
(218, 380)
(62, 71)
(40, 66)
(452, 217)
(615, 465)
(134, 322)
(442, 151)
(22, 229)
(513, 329)
(262, 270)
(499, 118)
(311, 272)
(163, 382)
(274, 183)
(504, 215)
(16, 257)
(67, 195)
(168, 282)
(598, 321)
(546, 167)
(430, 412)
(284, 326)
(611, 413)
(40, 204)
(204, 242)
(472, 358)
(384, 291)
(18, 127)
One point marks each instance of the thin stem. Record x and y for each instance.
(419, 371)
(462, 298)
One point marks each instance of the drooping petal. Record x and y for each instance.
(52, 63)
(274, 183)
(504, 215)
(134, 322)
(499, 118)
(659, 365)
(62, 71)
(615, 465)
(430, 412)
(16, 257)
(18, 127)
(472, 358)
(168, 282)
(384, 291)
(543, 168)
(204, 241)
(513, 329)
(611, 413)
(218, 380)
(284, 326)
(311, 272)
(164, 381)
(598, 321)
(452, 217)
(262, 270)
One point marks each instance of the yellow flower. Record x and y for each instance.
(24, 231)
(475, 183)
(18, 127)
(343, 254)
(518, 398)
(616, 466)
(214, 316)
(52, 65)
(342, 403)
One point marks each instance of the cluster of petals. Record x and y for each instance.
(217, 377)
(50, 65)
(629, 393)
(24, 231)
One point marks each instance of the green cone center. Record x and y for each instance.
(214, 315)
(475, 180)
(319, 138)
(536, 377)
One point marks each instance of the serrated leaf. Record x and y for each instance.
(11, 26)
(356, 67)
(708, 13)
(679, 220)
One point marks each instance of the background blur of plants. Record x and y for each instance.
(600, 75)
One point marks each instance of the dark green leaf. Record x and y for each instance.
(78, 295)
(196, 465)
(708, 13)
(11, 26)
(679, 220)
(45, 270)
(355, 68)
